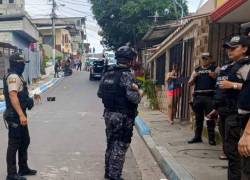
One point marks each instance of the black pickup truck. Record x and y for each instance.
(96, 70)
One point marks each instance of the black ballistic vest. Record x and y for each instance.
(23, 96)
(114, 96)
(204, 81)
(229, 97)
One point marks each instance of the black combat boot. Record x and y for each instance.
(116, 179)
(106, 176)
(15, 177)
(27, 172)
(197, 136)
(195, 140)
(212, 142)
(211, 132)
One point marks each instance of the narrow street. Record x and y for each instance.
(67, 136)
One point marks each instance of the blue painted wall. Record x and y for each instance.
(32, 70)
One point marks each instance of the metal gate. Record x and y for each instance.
(160, 72)
(218, 34)
(181, 55)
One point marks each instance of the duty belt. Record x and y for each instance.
(204, 92)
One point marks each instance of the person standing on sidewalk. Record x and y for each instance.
(120, 96)
(173, 93)
(17, 101)
(204, 80)
(229, 82)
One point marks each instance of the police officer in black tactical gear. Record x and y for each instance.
(244, 143)
(120, 95)
(17, 102)
(204, 80)
(229, 82)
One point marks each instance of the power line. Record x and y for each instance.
(73, 11)
(74, 3)
(77, 10)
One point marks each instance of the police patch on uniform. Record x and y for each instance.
(12, 80)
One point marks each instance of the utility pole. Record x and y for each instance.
(156, 16)
(182, 10)
(53, 18)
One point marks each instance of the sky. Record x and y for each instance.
(79, 8)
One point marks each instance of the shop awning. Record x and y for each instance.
(232, 11)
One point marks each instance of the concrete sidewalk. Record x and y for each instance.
(177, 158)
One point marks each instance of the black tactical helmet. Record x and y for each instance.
(125, 54)
(16, 57)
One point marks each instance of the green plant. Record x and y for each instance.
(44, 65)
(59, 58)
(149, 89)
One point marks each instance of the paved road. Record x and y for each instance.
(67, 136)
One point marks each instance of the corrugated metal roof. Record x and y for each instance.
(159, 32)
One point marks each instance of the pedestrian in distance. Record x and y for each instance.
(79, 65)
(120, 95)
(57, 69)
(204, 80)
(229, 82)
(17, 102)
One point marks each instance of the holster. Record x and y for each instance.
(11, 117)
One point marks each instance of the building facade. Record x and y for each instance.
(17, 30)
(8, 7)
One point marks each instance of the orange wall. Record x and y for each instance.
(219, 2)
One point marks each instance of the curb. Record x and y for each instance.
(169, 166)
(41, 89)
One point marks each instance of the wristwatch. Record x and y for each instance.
(235, 86)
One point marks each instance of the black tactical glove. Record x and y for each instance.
(30, 103)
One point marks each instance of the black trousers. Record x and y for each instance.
(230, 130)
(79, 67)
(222, 130)
(246, 168)
(203, 105)
(245, 161)
(19, 141)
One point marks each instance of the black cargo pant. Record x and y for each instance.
(203, 105)
(222, 129)
(119, 131)
(245, 161)
(231, 138)
(246, 168)
(19, 141)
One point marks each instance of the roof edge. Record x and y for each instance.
(226, 8)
